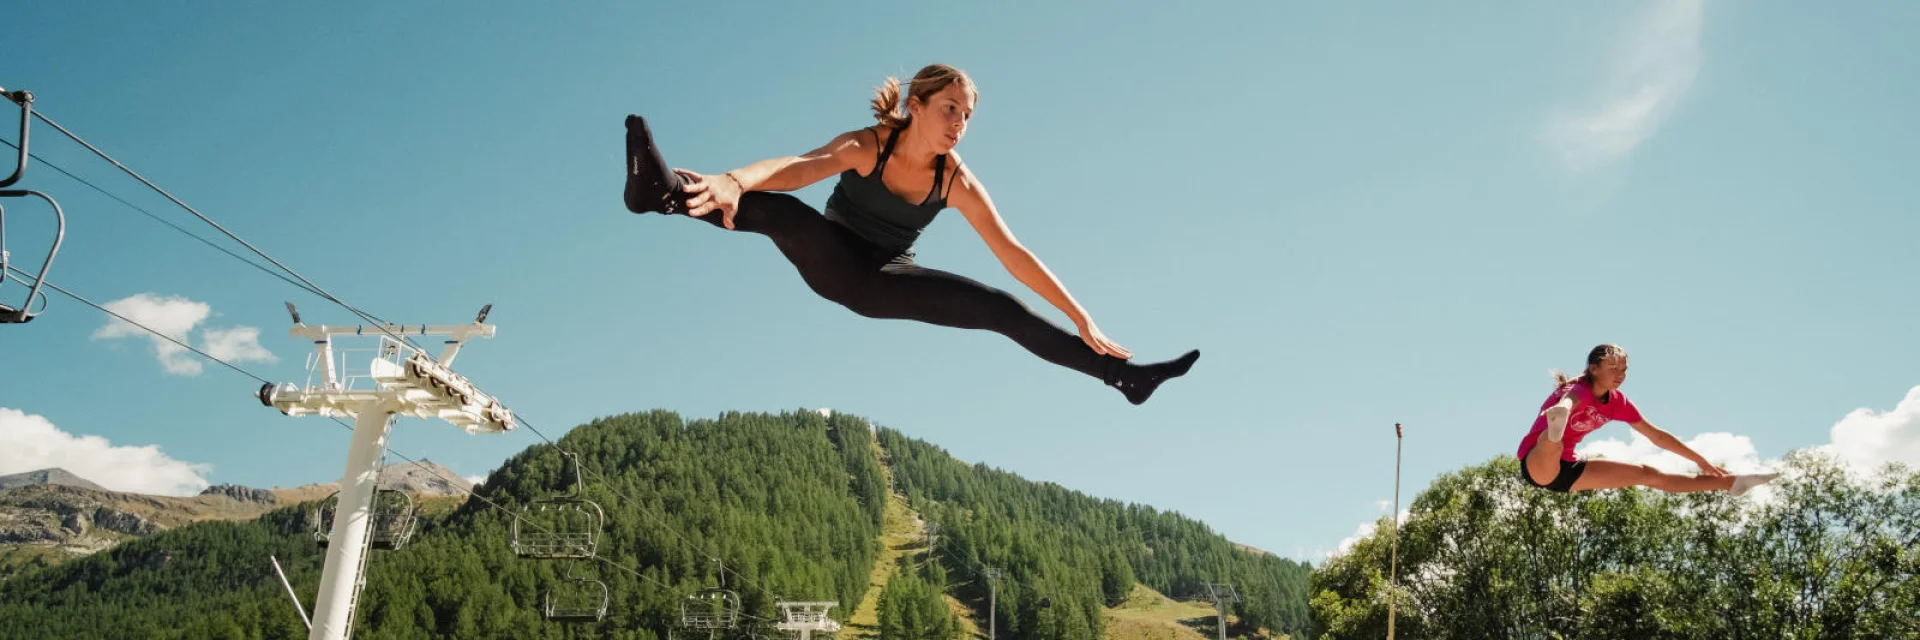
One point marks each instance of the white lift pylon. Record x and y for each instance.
(396, 379)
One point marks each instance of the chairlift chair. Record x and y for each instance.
(710, 609)
(576, 600)
(566, 526)
(10, 314)
(392, 524)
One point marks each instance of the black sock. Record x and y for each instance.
(652, 186)
(1138, 382)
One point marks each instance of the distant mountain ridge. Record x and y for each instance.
(424, 477)
(49, 516)
(53, 475)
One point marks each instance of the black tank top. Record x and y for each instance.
(865, 205)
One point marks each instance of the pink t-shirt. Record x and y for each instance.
(1587, 416)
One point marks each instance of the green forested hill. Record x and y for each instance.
(1079, 553)
(771, 496)
(792, 504)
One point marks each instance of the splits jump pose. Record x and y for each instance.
(894, 177)
(1581, 405)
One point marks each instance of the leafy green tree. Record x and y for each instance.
(1816, 555)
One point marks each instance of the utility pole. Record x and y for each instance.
(395, 379)
(1393, 571)
(993, 579)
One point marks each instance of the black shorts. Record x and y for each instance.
(1563, 483)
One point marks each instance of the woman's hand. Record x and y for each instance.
(707, 194)
(1091, 334)
(1707, 469)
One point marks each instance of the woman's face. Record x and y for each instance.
(942, 118)
(1610, 372)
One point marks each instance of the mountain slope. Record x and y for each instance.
(1065, 555)
(51, 516)
(46, 476)
(1148, 615)
(791, 505)
(774, 497)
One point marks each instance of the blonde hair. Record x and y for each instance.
(889, 105)
(1596, 356)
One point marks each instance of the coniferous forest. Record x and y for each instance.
(771, 507)
(791, 507)
(1076, 553)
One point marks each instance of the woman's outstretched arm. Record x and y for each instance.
(970, 197)
(788, 173)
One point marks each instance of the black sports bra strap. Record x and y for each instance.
(950, 183)
(939, 172)
(880, 165)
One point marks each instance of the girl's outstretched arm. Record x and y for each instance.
(1667, 441)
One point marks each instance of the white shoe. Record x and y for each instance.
(1741, 484)
(1556, 424)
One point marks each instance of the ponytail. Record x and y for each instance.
(889, 100)
(1596, 356)
(886, 104)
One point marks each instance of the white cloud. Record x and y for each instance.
(1649, 75)
(170, 315)
(176, 317)
(1862, 441)
(34, 443)
(1735, 453)
(1361, 533)
(476, 480)
(1866, 439)
(239, 344)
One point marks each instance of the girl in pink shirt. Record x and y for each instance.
(1579, 407)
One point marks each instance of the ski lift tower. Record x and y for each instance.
(803, 619)
(396, 379)
(1222, 595)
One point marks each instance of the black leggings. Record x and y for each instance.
(841, 266)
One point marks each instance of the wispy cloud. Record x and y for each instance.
(176, 317)
(1360, 533)
(34, 443)
(239, 344)
(1648, 75)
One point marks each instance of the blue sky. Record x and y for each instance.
(1405, 212)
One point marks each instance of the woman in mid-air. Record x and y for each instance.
(1581, 405)
(895, 177)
